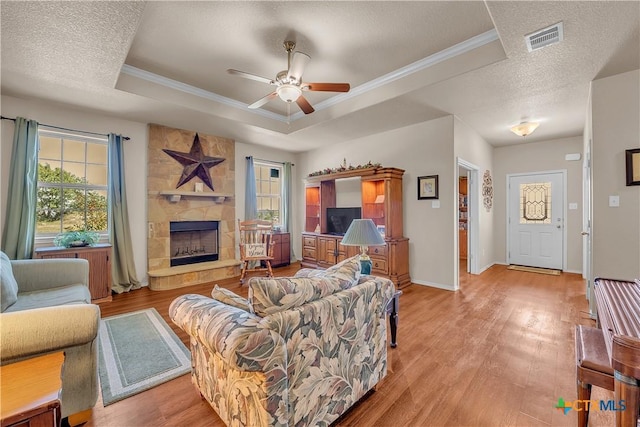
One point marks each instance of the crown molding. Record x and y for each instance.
(422, 64)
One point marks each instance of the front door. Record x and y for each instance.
(536, 220)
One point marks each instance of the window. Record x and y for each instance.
(72, 183)
(269, 191)
(535, 203)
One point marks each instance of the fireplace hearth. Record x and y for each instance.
(191, 242)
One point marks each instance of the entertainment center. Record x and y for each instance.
(381, 202)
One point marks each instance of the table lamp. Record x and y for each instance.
(363, 233)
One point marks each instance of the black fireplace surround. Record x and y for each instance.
(192, 242)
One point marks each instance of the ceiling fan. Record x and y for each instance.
(288, 83)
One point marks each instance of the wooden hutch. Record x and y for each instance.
(381, 202)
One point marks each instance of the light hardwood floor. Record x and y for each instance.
(498, 352)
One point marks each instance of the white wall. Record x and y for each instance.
(471, 147)
(349, 193)
(534, 157)
(421, 149)
(135, 155)
(616, 128)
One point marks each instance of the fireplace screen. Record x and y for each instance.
(193, 241)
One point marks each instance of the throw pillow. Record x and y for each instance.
(271, 295)
(228, 297)
(347, 271)
(8, 284)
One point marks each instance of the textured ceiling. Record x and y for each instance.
(407, 62)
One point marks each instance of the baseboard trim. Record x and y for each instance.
(434, 285)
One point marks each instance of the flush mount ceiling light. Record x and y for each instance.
(524, 128)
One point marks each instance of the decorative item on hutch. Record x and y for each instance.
(487, 190)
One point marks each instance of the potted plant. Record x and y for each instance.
(78, 238)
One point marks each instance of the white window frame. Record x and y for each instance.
(47, 238)
(271, 165)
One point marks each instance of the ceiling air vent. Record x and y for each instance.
(544, 37)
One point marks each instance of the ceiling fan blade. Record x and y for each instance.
(259, 103)
(327, 87)
(304, 105)
(250, 76)
(298, 63)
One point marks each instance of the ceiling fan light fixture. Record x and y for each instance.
(288, 92)
(524, 128)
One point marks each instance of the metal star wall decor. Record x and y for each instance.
(195, 163)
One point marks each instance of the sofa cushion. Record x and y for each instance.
(230, 298)
(72, 294)
(271, 295)
(8, 284)
(347, 271)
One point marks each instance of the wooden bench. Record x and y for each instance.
(592, 367)
(618, 303)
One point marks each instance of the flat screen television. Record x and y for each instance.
(339, 219)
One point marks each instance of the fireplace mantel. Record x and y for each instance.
(174, 196)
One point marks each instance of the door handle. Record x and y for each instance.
(558, 227)
(585, 233)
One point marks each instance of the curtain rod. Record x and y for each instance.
(126, 138)
(264, 160)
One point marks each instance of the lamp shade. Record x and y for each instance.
(288, 92)
(524, 128)
(362, 232)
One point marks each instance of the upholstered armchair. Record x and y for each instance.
(46, 307)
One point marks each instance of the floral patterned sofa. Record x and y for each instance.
(299, 352)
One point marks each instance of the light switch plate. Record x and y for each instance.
(614, 201)
(435, 204)
(573, 206)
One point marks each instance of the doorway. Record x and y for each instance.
(467, 221)
(536, 219)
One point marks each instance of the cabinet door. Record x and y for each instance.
(277, 250)
(99, 272)
(326, 251)
(286, 249)
(345, 252)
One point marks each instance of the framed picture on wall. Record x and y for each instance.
(633, 166)
(428, 187)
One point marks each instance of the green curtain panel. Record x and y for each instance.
(20, 218)
(123, 270)
(250, 194)
(286, 202)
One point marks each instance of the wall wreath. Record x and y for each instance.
(487, 190)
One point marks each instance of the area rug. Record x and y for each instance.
(138, 351)
(534, 270)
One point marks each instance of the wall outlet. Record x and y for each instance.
(435, 204)
(573, 206)
(150, 230)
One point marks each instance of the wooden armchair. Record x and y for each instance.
(256, 246)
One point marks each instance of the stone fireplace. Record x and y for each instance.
(170, 207)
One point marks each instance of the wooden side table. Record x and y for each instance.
(30, 392)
